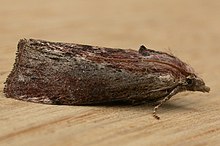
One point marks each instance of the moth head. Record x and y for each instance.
(194, 83)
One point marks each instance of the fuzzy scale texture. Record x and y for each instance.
(73, 74)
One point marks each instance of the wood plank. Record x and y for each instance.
(189, 28)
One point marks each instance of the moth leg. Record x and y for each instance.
(173, 92)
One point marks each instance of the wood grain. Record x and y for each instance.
(189, 28)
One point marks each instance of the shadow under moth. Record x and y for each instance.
(74, 74)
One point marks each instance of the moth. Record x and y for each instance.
(73, 74)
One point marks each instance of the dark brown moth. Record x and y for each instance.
(73, 74)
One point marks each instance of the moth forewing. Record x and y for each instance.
(74, 74)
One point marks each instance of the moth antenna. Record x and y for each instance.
(169, 50)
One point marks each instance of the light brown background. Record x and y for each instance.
(189, 29)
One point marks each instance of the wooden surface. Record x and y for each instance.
(189, 29)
